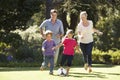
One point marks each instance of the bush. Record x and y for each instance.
(109, 57)
(78, 60)
(26, 53)
(3, 58)
(115, 57)
(20, 64)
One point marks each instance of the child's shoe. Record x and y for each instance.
(41, 68)
(51, 73)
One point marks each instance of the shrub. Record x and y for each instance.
(3, 58)
(109, 57)
(78, 59)
(115, 57)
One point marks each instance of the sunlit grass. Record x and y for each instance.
(100, 72)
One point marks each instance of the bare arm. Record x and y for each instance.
(97, 31)
(77, 49)
(41, 31)
(59, 45)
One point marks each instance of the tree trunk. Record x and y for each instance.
(64, 20)
(73, 21)
(48, 8)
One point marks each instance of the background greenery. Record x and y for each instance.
(20, 39)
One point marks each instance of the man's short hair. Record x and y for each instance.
(53, 11)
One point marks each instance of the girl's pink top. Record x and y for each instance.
(69, 45)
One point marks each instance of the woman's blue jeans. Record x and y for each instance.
(87, 52)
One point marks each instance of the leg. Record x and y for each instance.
(63, 60)
(56, 56)
(89, 52)
(69, 62)
(83, 49)
(51, 64)
(44, 63)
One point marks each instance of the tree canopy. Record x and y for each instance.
(105, 14)
(14, 14)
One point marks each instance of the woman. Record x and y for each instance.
(85, 32)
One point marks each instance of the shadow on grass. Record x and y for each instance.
(103, 65)
(3, 69)
(108, 73)
(80, 75)
(19, 69)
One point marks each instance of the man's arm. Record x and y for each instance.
(41, 28)
(61, 30)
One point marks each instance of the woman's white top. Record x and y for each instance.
(86, 32)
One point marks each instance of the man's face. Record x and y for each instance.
(54, 16)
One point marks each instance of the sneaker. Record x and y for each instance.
(41, 68)
(51, 73)
(86, 66)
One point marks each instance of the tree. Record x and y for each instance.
(14, 14)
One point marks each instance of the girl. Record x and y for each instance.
(69, 44)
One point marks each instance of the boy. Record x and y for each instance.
(48, 48)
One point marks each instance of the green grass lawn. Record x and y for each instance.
(100, 72)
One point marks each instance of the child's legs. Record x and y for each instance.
(45, 62)
(89, 53)
(51, 63)
(69, 62)
(83, 49)
(63, 60)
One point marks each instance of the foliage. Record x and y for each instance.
(16, 13)
(12, 39)
(30, 50)
(111, 30)
(78, 60)
(109, 57)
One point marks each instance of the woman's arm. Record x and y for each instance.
(97, 31)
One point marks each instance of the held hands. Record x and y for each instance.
(53, 48)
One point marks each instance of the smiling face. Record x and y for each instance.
(83, 17)
(49, 36)
(53, 16)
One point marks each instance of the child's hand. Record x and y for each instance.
(78, 51)
(43, 49)
(53, 48)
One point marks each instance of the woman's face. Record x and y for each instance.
(84, 17)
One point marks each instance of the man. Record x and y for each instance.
(56, 26)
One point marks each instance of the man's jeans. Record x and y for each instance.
(56, 56)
